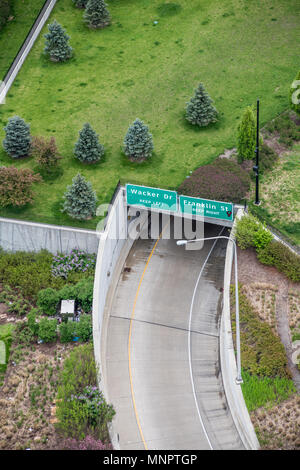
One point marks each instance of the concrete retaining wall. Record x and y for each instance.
(233, 391)
(16, 235)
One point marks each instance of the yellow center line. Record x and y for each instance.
(129, 339)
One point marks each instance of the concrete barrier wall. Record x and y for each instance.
(233, 391)
(16, 235)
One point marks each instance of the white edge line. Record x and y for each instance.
(189, 339)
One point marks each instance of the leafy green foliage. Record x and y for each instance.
(5, 10)
(267, 158)
(17, 139)
(84, 328)
(222, 180)
(278, 255)
(31, 321)
(47, 330)
(81, 408)
(286, 127)
(251, 232)
(48, 300)
(80, 199)
(6, 336)
(88, 148)
(80, 3)
(16, 304)
(84, 289)
(200, 110)
(262, 352)
(265, 391)
(56, 45)
(295, 94)
(96, 14)
(67, 331)
(246, 140)
(138, 143)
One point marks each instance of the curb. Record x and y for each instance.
(233, 391)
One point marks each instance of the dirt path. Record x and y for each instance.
(250, 273)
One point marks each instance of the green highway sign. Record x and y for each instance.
(153, 198)
(206, 208)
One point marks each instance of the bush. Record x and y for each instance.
(96, 14)
(67, 331)
(84, 328)
(5, 10)
(80, 3)
(278, 255)
(138, 143)
(222, 180)
(267, 158)
(56, 45)
(88, 148)
(16, 186)
(262, 352)
(77, 261)
(288, 130)
(79, 199)
(200, 110)
(31, 272)
(31, 321)
(45, 153)
(17, 140)
(246, 141)
(22, 334)
(251, 232)
(81, 408)
(85, 289)
(48, 300)
(47, 330)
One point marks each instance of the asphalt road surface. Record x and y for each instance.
(162, 366)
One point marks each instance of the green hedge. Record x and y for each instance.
(278, 255)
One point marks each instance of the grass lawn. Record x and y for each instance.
(133, 68)
(15, 31)
(280, 195)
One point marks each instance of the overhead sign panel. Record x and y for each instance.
(206, 208)
(152, 198)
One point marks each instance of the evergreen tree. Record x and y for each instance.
(295, 94)
(80, 199)
(200, 110)
(96, 14)
(138, 141)
(56, 45)
(87, 148)
(246, 136)
(18, 140)
(80, 3)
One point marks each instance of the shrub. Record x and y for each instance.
(84, 328)
(67, 331)
(47, 330)
(246, 141)
(222, 180)
(31, 321)
(278, 255)
(87, 148)
(85, 290)
(81, 407)
(16, 186)
(48, 300)
(22, 334)
(76, 260)
(17, 140)
(138, 143)
(262, 352)
(68, 292)
(295, 94)
(56, 45)
(287, 129)
(5, 10)
(80, 199)
(45, 152)
(200, 110)
(251, 232)
(267, 158)
(96, 14)
(88, 443)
